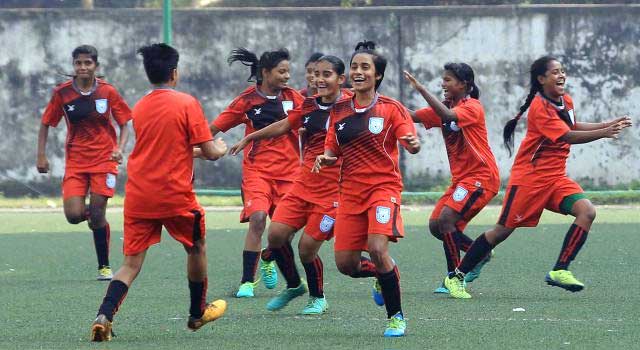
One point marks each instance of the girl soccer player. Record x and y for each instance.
(309, 74)
(538, 177)
(364, 132)
(475, 179)
(92, 151)
(269, 166)
(312, 201)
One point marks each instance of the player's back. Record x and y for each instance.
(167, 124)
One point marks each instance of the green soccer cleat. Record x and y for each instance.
(456, 287)
(269, 273)
(475, 272)
(246, 290)
(284, 297)
(315, 306)
(565, 280)
(376, 293)
(104, 274)
(397, 326)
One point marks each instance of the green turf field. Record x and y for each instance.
(48, 297)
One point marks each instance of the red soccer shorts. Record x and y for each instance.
(261, 194)
(523, 205)
(296, 212)
(76, 184)
(140, 234)
(352, 230)
(466, 199)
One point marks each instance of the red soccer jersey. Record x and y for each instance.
(367, 141)
(276, 158)
(542, 158)
(167, 124)
(466, 140)
(91, 137)
(321, 188)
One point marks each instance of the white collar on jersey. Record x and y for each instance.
(362, 110)
(93, 88)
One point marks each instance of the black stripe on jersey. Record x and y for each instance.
(315, 122)
(507, 207)
(472, 200)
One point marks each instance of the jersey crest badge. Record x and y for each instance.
(287, 106)
(111, 180)
(101, 105)
(376, 124)
(452, 126)
(460, 193)
(327, 223)
(383, 214)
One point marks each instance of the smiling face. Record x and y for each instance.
(327, 80)
(553, 80)
(453, 88)
(362, 73)
(84, 66)
(276, 78)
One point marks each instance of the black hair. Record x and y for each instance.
(268, 60)
(379, 61)
(539, 67)
(87, 50)
(315, 57)
(464, 73)
(159, 62)
(336, 63)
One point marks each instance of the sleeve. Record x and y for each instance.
(468, 113)
(428, 118)
(330, 141)
(295, 118)
(198, 127)
(234, 115)
(401, 122)
(54, 111)
(548, 123)
(119, 108)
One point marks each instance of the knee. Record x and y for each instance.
(132, 264)
(446, 223)
(306, 254)
(257, 223)
(434, 228)
(199, 247)
(378, 252)
(75, 218)
(346, 268)
(588, 212)
(277, 238)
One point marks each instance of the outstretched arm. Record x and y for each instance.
(581, 136)
(210, 150)
(274, 130)
(596, 126)
(446, 114)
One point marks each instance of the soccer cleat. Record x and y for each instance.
(105, 274)
(246, 290)
(376, 293)
(564, 279)
(284, 297)
(101, 329)
(269, 273)
(397, 326)
(315, 306)
(441, 290)
(214, 311)
(456, 287)
(475, 272)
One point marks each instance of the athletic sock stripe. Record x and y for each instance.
(451, 247)
(507, 207)
(576, 237)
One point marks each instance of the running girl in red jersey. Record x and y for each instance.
(92, 150)
(538, 177)
(270, 166)
(475, 179)
(312, 202)
(309, 74)
(159, 193)
(364, 132)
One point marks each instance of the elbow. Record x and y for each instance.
(413, 150)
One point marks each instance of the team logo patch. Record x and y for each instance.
(101, 105)
(383, 214)
(460, 193)
(376, 124)
(572, 117)
(327, 223)
(453, 127)
(287, 106)
(111, 181)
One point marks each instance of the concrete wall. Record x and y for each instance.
(599, 45)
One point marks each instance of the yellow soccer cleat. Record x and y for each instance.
(214, 311)
(101, 329)
(105, 274)
(456, 287)
(565, 280)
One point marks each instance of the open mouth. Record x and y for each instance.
(358, 79)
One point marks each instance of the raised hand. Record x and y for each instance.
(412, 80)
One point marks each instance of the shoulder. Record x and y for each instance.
(568, 100)
(309, 103)
(62, 86)
(393, 104)
(288, 92)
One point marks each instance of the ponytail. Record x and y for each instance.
(539, 67)
(248, 59)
